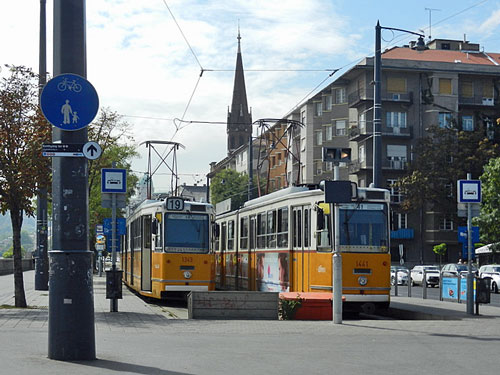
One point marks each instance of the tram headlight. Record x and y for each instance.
(362, 280)
(187, 274)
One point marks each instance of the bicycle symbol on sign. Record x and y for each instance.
(69, 85)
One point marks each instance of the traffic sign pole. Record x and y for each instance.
(470, 279)
(71, 335)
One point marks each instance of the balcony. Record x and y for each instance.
(399, 165)
(359, 133)
(402, 234)
(474, 101)
(355, 166)
(360, 96)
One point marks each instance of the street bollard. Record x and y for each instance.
(424, 285)
(396, 283)
(409, 283)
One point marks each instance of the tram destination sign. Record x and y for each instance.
(59, 149)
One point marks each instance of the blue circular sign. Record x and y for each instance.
(69, 102)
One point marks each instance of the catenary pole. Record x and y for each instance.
(71, 304)
(41, 257)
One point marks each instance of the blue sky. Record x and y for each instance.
(142, 67)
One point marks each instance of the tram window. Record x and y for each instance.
(147, 232)
(223, 236)
(307, 227)
(217, 236)
(158, 234)
(271, 229)
(230, 235)
(299, 228)
(244, 233)
(323, 229)
(261, 231)
(283, 227)
(136, 233)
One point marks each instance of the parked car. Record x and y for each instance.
(491, 271)
(432, 275)
(402, 275)
(455, 269)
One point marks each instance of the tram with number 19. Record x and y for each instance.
(283, 242)
(167, 250)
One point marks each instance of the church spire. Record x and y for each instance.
(239, 119)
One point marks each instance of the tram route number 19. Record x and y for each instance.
(175, 204)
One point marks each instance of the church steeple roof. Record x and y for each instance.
(239, 119)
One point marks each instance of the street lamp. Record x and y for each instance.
(377, 100)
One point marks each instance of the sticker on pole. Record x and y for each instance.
(69, 102)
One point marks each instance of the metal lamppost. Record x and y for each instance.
(377, 100)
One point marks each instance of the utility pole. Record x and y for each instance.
(41, 258)
(71, 298)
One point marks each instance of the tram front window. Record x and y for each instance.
(186, 233)
(364, 227)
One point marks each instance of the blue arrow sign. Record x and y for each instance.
(69, 102)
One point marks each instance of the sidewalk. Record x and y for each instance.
(148, 339)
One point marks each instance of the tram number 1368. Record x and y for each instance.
(175, 204)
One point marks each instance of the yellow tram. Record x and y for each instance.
(282, 242)
(167, 250)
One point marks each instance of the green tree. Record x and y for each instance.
(442, 157)
(490, 205)
(114, 136)
(10, 252)
(23, 130)
(229, 184)
(440, 250)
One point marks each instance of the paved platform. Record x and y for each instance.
(148, 339)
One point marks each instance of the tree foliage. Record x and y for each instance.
(444, 156)
(10, 252)
(114, 136)
(23, 130)
(229, 184)
(490, 206)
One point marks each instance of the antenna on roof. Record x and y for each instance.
(430, 17)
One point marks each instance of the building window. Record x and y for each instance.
(466, 89)
(362, 121)
(396, 85)
(399, 221)
(446, 224)
(488, 89)
(319, 138)
(329, 132)
(319, 168)
(328, 103)
(340, 96)
(444, 119)
(396, 196)
(467, 123)
(318, 109)
(303, 117)
(445, 86)
(340, 127)
(361, 153)
(396, 156)
(396, 119)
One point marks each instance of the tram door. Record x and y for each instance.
(252, 257)
(301, 241)
(146, 254)
(223, 253)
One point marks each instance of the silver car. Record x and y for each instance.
(432, 275)
(402, 273)
(491, 271)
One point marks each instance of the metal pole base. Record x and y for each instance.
(41, 274)
(71, 306)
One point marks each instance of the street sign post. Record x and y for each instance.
(69, 102)
(113, 180)
(92, 150)
(114, 183)
(469, 192)
(62, 150)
